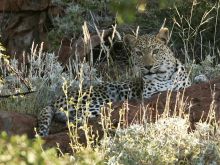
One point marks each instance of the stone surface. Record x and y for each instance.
(22, 23)
(198, 101)
(21, 29)
(63, 140)
(17, 124)
(14, 123)
(80, 47)
(23, 5)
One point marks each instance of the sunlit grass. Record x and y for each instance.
(164, 142)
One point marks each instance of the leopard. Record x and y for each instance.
(160, 71)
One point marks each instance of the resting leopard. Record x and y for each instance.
(160, 71)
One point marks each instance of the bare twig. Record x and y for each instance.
(20, 77)
(16, 94)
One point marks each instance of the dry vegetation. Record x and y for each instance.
(163, 142)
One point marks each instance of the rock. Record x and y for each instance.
(23, 5)
(63, 139)
(22, 23)
(26, 22)
(14, 123)
(201, 78)
(21, 29)
(198, 101)
(80, 47)
(17, 124)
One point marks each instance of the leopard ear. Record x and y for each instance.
(130, 40)
(163, 35)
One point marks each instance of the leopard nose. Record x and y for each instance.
(148, 67)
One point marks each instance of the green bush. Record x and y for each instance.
(20, 150)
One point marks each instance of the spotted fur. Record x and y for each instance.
(160, 71)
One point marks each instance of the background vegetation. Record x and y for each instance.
(194, 39)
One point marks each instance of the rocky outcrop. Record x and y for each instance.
(63, 139)
(22, 23)
(26, 22)
(14, 123)
(79, 47)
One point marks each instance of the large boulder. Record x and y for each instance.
(81, 47)
(199, 101)
(14, 123)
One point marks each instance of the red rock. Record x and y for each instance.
(71, 48)
(63, 140)
(17, 124)
(26, 21)
(198, 101)
(14, 123)
(22, 23)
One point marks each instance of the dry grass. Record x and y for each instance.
(163, 142)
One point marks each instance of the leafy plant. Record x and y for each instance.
(20, 150)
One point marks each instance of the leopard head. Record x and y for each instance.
(151, 54)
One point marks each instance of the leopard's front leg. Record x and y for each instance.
(44, 120)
